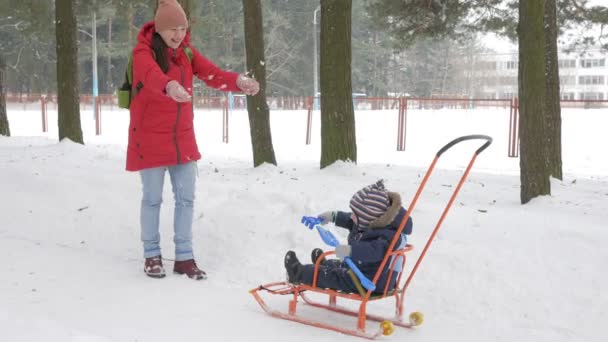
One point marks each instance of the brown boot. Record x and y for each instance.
(153, 267)
(189, 268)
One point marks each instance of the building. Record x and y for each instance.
(583, 76)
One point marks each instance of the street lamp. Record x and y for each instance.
(93, 36)
(316, 57)
(95, 88)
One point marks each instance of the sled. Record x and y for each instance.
(387, 323)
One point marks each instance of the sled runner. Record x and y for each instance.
(365, 295)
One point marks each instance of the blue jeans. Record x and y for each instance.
(183, 179)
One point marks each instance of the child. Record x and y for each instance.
(376, 215)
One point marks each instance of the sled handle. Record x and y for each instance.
(467, 137)
(330, 240)
(450, 202)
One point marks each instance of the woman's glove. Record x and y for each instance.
(248, 85)
(327, 217)
(175, 91)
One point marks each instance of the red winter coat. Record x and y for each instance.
(161, 131)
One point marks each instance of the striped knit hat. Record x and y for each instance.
(370, 203)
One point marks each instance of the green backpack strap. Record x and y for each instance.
(129, 73)
(189, 53)
(126, 93)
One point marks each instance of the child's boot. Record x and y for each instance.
(315, 255)
(293, 268)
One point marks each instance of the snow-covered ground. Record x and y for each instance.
(497, 271)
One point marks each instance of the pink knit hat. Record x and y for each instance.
(169, 14)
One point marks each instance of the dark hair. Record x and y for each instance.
(160, 52)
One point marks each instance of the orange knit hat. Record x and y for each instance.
(169, 14)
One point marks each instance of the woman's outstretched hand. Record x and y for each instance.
(175, 91)
(248, 85)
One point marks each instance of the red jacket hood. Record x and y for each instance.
(147, 31)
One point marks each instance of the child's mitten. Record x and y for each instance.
(328, 216)
(342, 251)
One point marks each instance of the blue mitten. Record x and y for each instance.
(310, 221)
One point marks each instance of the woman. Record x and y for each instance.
(161, 132)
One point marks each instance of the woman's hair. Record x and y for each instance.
(160, 52)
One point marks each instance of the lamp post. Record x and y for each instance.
(316, 58)
(94, 60)
(93, 36)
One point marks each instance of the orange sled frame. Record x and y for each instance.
(386, 326)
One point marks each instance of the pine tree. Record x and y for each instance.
(532, 101)
(68, 105)
(338, 136)
(540, 125)
(259, 116)
(4, 127)
(553, 120)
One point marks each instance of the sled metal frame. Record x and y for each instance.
(299, 290)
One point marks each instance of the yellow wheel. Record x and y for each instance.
(416, 318)
(387, 328)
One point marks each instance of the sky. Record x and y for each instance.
(500, 44)
(72, 265)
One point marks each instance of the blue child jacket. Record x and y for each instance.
(370, 245)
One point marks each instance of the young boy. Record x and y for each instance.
(376, 215)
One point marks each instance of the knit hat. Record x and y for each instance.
(169, 14)
(370, 203)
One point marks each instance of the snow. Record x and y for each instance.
(597, 3)
(72, 265)
(499, 44)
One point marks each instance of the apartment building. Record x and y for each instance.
(583, 76)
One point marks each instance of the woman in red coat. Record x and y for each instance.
(161, 131)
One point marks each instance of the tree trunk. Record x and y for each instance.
(259, 116)
(446, 67)
(67, 72)
(553, 110)
(532, 93)
(187, 6)
(4, 127)
(132, 32)
(338, 136)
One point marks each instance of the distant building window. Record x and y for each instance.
(507, 81)
(567, 63)
(591, 96)
(567, 80)
(490, 96)
(589, 80)
(486, 65)
(566, 96)
(506, 95)
(593, 63)
(512, 65)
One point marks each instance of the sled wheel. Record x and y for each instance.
(387, 328)
(416, 318)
